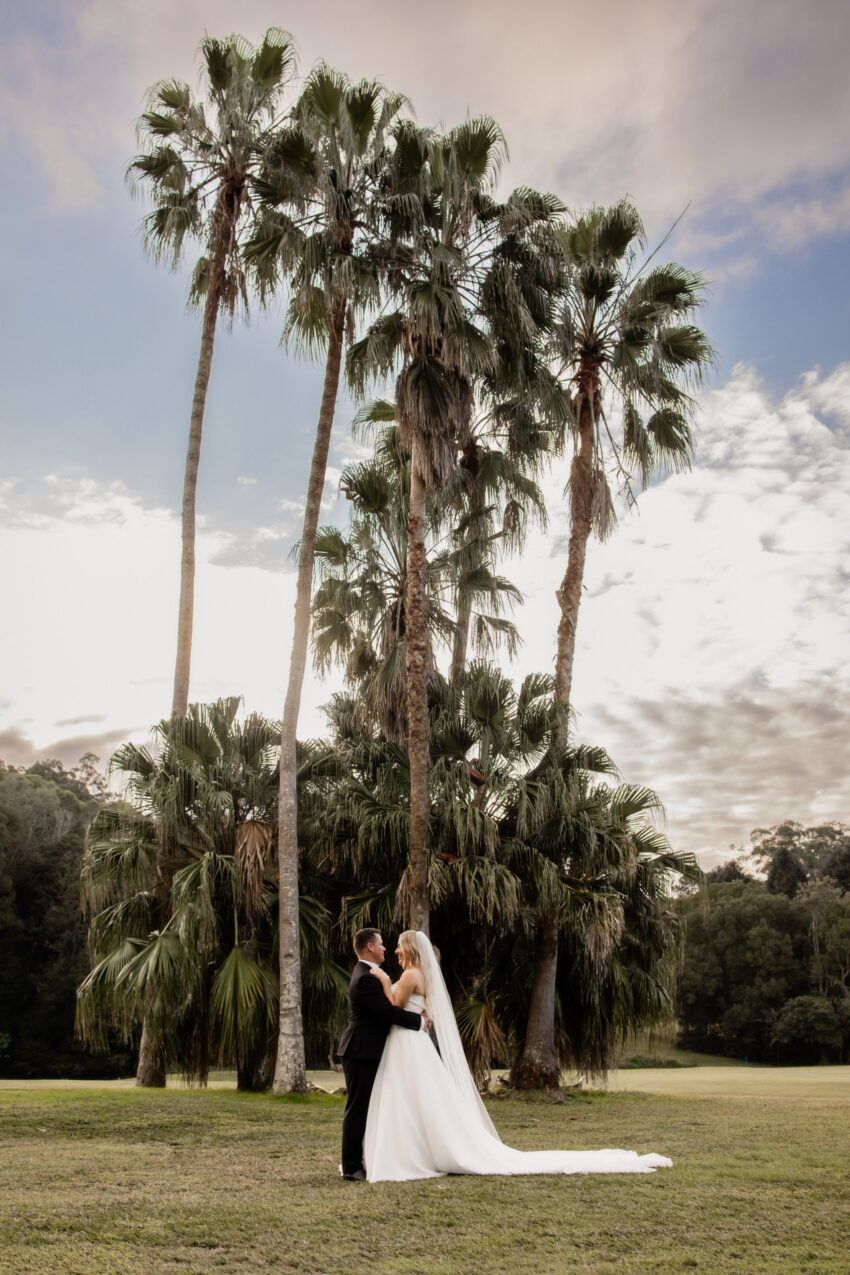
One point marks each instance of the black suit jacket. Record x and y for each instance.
(371, 1017)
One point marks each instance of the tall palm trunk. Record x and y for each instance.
(226, 224)
(150, 1073)
(417, 668)
(290, 1075)
(538, 1066)
(483, 762)
(569, 594)
(460, 643)
(151, 1069)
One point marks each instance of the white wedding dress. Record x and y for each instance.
(426, 1117)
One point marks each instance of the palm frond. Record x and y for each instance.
(243, 1000)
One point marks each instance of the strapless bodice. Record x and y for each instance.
(416, 1004)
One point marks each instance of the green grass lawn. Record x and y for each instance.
(118, 1180)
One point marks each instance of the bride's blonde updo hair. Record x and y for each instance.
(409, 945)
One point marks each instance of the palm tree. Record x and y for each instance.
(365, 821)
(624, 336)
(520, 826)
(634, 984)
(443, 223)
(583, 857)
(195, 843)
(623, 333)
(169, 872)
(198, 166)
(584, 846)
(491, 500)
(360, 606)
(317, 188)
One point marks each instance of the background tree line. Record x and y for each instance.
(767, 961)
(44, 813)
(761, 967)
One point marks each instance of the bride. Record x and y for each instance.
(426, 1117)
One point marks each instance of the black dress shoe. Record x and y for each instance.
(358, 1175)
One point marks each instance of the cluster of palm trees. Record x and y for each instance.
(501, 331)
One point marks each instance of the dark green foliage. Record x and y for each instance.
(743, 961)
(809, 1023)
(728, 872)
(44, 812)
(516, 822)
(641, 1062)
(767, 976)
(785, 874)
(792, 854)
(836, 864)
(180, 880)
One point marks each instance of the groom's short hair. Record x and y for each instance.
(363, 938)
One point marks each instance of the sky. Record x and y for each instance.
(711, 646)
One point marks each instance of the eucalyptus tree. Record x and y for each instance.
(179, 880)
(198, 161)
(316, 236)
(443, 223)
(624, 337)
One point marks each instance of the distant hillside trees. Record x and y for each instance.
(767, 965)
(44, 813)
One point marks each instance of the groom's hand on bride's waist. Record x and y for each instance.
(426, 1023)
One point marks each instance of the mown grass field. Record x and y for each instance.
(113, 1179)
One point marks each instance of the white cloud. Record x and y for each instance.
(829, 397)
(711, 102)
(91, 620)
(711, 653)
(790, 223)
(743, 266)
(330, 497)
(348, 450)
(245, 481)
(712, 639)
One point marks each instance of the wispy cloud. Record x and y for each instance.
(80, 721)
(97, 643)
(18, 749)
(790, 223)
(711, 655)
(711, 650)
(711, 103)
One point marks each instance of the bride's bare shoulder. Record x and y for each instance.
(412, 981)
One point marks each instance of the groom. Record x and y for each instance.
(370, 1019)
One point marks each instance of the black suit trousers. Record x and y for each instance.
(360, 1076)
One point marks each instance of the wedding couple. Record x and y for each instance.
(413, 1112)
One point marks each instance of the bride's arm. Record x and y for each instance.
(411, 981)
(386, 983)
